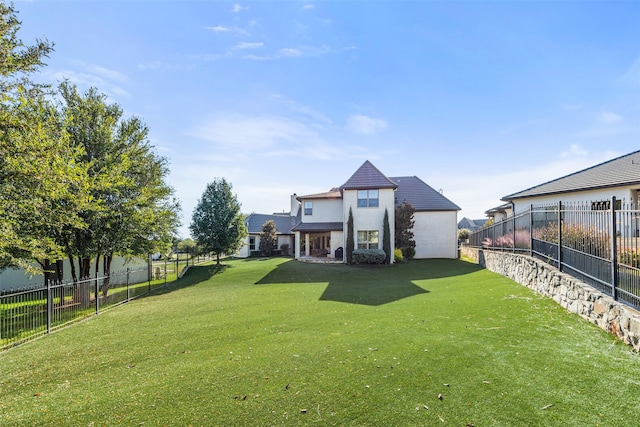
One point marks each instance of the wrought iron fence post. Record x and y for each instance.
(97, 297)
(559, 235)
(49, 306)
(513, 249)
(531, 230)
(614, 250)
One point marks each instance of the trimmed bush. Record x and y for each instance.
(409, 252)
(397, 255)
(369, 256)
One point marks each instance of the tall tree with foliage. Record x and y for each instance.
(404, 230)
(350, 238)
(132, 210)
(268, 238)
(386, 238)
(217, 224)
(38, 165)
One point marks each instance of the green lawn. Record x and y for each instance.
(277, 342)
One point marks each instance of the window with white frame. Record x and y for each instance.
(252, 243)
(368, 239)
(308, 208)
(367, 198)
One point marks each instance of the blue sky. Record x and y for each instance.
(477, 98)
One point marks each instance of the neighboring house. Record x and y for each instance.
(322, 227)
(471, 224)
(500, 212)
(596, 185)
(254, 222)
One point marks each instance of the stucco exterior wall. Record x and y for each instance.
(244, 251)
(436, 234)
(369, 219)
(323, 210)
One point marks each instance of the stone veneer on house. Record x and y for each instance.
(571, 293)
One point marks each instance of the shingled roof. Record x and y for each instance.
(284, 223)
(624, 170)
(420, 195)
(367, 176)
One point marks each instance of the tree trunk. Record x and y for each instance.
(85, 285)
(218, 258)
(106, 265)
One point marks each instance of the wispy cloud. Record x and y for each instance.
(608, 117)
(247, 45)
(631, 76)
(238, 8)
(308, 6)
(231, 30)
(365, 125)
(219, 29)
(86, 75)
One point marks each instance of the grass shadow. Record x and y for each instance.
(367, 285)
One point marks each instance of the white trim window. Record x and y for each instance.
(368, 239)
(368, 199)
(252, 243)
(308, 208)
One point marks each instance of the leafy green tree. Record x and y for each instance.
(386, 238)
(132, 210)
(187, 245)
(350, 238)
(404, 229)
(268, 238)
(217, 224)
(463, 234)
(38, 167)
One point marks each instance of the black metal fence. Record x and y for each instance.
(30, 313)
(596, 242)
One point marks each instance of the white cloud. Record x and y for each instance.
(608, 117)
(365, 125)
(85, 80)
(219, 29)
(308, 6)
(248, 45)
(238, 8)
(254, 133)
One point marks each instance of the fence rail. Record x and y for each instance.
(30, 313)
(597, 242)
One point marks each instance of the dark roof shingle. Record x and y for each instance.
(284, 223)
(420, 195)
(624, 170)
(367, 176)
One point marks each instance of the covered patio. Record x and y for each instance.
(319, 241)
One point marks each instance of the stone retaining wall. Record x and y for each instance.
(572, 294)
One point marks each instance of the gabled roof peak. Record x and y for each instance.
(368, 176)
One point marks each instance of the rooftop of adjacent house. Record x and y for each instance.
(367, 176)
(499, 209)
(471, 224)
(284, 224)
(624, 170)
(420, 195)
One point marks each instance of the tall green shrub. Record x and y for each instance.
(350, 243)
(386, 238)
